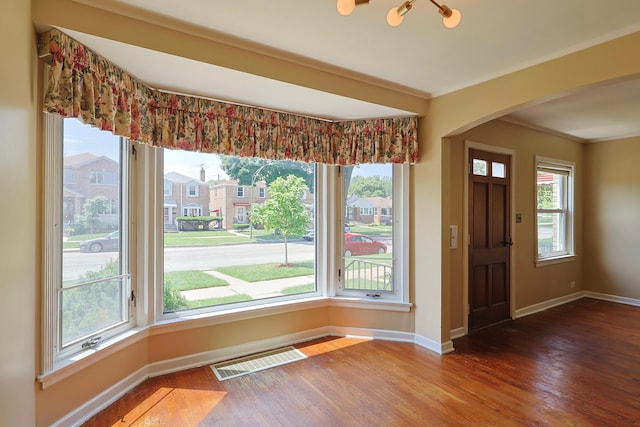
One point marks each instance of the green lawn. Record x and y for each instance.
(205, 238)
(217, 301)
(372, 230)
(191, 279)
(256, 273)
(309, 287)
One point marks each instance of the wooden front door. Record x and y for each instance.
(489, 238)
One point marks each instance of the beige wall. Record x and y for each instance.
(532, 284)
(19, 258)
(612, 212)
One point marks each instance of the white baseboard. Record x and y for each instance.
(218, 355)
(545, 305)
(435, 346)
(612, 298)
(88, 409)
(457, 333)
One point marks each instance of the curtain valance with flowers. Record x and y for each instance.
(85, 85)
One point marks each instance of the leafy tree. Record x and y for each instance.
(545, 196)
(91, 210)
(371, 186)
(284, 211)
(244, 168)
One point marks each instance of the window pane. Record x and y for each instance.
(226, 257)
(368, 239)
(91, 308)
(497, 170)
(479, 167)
(551, 237)
(551, 190)
(92, 285)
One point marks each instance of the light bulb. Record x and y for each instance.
(394, 18)
(346, 7)
(452, 20)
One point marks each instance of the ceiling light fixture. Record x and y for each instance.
(450, 17)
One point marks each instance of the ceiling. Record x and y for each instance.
(420, 57)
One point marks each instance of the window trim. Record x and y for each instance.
(569, 168)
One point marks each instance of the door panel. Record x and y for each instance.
(490, 241)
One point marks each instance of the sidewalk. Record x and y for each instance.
(256, 290)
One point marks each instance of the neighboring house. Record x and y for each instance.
(87, 176)
(232, 201)
(184, 196)
(369, 210)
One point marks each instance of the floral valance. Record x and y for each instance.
(85, 85)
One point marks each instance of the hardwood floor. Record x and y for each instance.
(574, 365)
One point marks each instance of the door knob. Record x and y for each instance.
(508, 242)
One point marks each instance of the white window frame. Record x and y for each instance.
(53, 357)
(168, 188)
(566, 169)
(398, 300)
(262, 192)
(241, 192)
(192, 186)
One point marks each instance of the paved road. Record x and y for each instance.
(200, 257)
(196, 257)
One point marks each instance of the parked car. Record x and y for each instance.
(311, 234)
(110, 242)
(359, 244)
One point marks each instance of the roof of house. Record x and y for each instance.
(179, 178)
(77, 160)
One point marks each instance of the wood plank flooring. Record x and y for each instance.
(573, 365)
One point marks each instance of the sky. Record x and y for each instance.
(80, 138)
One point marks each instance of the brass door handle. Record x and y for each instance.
(508, 242)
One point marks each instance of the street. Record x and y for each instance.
(196, 257)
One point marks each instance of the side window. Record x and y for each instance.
(372, 266)
(87, 292)
(554, 208)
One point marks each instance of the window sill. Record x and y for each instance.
(67, 367)
(555, 260)
(370, 304)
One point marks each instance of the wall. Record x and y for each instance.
(532, 284)
(612, 204)
(19, 258)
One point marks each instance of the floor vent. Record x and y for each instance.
(256, 362)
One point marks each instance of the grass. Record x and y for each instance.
(259, 272)
(372, 230)
(300, 289)
(218, 301)
(205, 238)
(191, 279)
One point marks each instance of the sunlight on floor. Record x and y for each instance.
(174, 400)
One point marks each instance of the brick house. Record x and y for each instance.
(232, 201)
(184, 196)
(87, 176)
(370, 210)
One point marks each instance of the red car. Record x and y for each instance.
(359, 244)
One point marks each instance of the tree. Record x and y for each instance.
(244, 168)
(92, 208)
(284, 211)
(371, 186)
